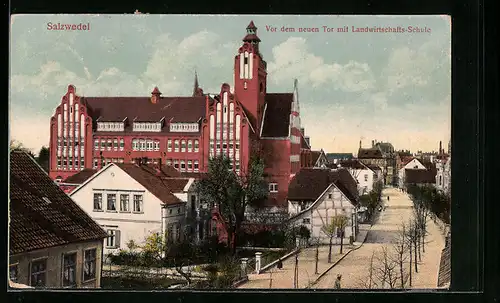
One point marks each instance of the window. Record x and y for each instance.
(169, 162)
(89, 264)
(183, 165)
(196, 146)
(110, 144)
(38, 276)
(273, 187)
(156, 145)
(112, 241)
(190, 146)
(366, 177)
(176, 145)
(142, 144)
(97, 202)
(183, 146)
(115, 144)
(135, 144)
(111, 202)
(330, 196)
(306, 221)
(13, 274)
(169, 145)
(176, 164)
(190, 165)
(96, 144)
(196, 165)
(122, 144)
(138, 203)
(124, 202)
(149, 145)
(69, 269)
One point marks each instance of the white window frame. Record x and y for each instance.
(111, 239)
(273, 187)
(140, 199)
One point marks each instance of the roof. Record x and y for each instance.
(385, 147)
(370, 153)
(303, 142)
(277, 115)
(334, 156)
(163, 186)
(41, 214)
(310, 183)
(373, 167)
(174, 109)
(315, 154)
(419, 176)
(81, 176)
(407, 159)
(353, 163)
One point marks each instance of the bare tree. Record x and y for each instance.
(401, 249)
(386, 269)
(369, 282)
(296, 272)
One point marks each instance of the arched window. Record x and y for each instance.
(196, 146)
(190, 146)
(176, 145)
(183, 146)
(156, 145)
(135, 144)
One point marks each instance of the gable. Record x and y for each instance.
(414, 164)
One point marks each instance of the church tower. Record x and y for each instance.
(250, 77)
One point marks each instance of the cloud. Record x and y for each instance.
(293, 58)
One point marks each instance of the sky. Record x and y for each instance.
(391, 87)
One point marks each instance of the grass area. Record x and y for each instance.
(136, 283)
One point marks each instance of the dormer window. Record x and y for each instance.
(147, 126)
(184, 127)
(110, 126)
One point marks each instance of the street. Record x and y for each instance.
(354, 267)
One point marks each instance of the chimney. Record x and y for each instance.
(359, 143)
(440, 147)
(155, 95)
(373, 143)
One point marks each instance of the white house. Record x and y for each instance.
(364, 175)
(412, 164)
(131, 201)
(315, 196)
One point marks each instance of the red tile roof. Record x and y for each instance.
(41, 214)
(370, 153)
(162, 186)
(81, 176)
(174, 109)
(277, 115)
(309, 183)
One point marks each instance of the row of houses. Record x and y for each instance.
(61, 232)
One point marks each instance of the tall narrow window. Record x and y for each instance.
(122, 144)
(69, 270)
(196, 166)
(135, 144)
(124, 203)
(190, 146)
(96, 144)
(115, 144)
(176, 145)
(111, 240)
(183, 146)
(183, 165)
(169, 145)
(138, 199)
(103, 144)
(196, 146)
(111, 202)
(110, 144)
(176, 164)
(156, 145)
(89, 265)
(38, 276)
(142, 144)
(190, 165)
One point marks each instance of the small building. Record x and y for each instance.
(410, 164)
(420, 176)
(53, 243)
(315, 196)
(365, 176)
(132, 201)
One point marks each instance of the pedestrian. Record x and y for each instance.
(337, 281)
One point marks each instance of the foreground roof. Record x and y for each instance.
(41, 214)
(310, 183)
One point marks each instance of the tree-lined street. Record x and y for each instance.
(398, 209)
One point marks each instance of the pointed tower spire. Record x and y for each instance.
(196, 85)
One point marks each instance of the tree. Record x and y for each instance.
(18, 146)
(341, 222)
(401, 254)
(329, 229)
(43, 158)
(386, 269)
(232, 193)
(336, 227)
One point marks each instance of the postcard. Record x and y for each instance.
(230, 152)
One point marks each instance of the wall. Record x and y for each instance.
(54, 264)
(132, 226)
(278, 167)
(332, 203)
(364, 187)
